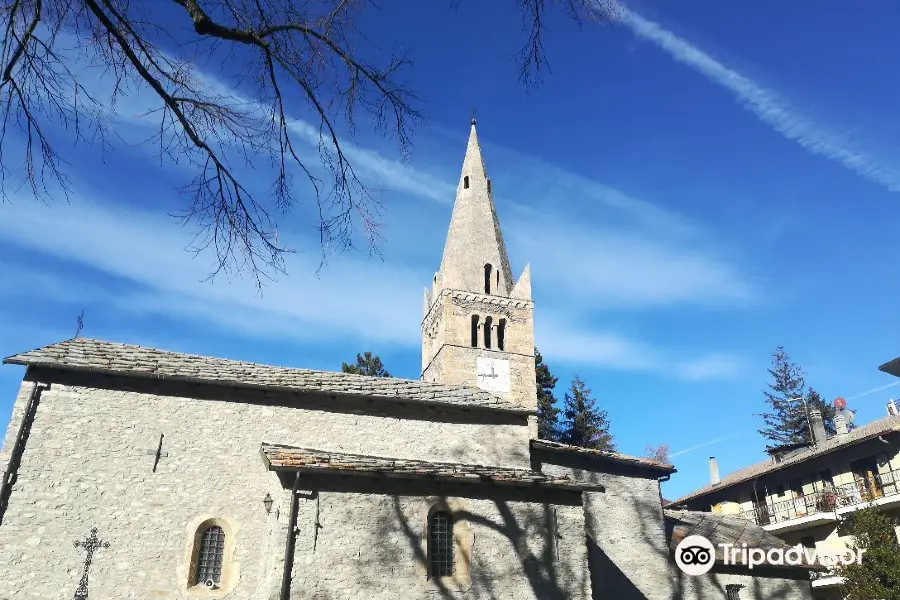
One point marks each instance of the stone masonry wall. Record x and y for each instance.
(89, 460)
(374, 547)
(626, 536)
(713, 585)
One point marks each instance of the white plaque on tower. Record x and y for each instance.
(493, 374)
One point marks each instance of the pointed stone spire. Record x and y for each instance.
(522, 288)
(475, 256)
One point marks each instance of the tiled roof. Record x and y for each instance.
(860, 434)
(290, 458)
(604, 455)
(724, 529)
(85, 354)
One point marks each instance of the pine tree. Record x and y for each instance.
(547, 412)
(786, 423)
(366, 364)
(878, 574)
(585, 425)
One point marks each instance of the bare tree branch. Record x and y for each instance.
(283, 58)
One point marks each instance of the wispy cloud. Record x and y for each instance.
(765, 103)
(578, 345)
(144, 251)
(712, 442)
(880, 388)
(639, 255)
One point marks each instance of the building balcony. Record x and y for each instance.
(823, 580)
(819, 508)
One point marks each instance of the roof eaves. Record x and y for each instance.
(602, 456)
(891, 367)
(563, 483)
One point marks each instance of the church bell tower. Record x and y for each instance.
(478, 328)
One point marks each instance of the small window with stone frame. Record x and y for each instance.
(733, 591)
(440, 544)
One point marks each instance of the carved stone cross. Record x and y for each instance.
(91, 544)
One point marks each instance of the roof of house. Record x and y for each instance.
(604, 455)
(725, 529)
(891, 367)
(860, 434)
(98, 356)
(278, 458)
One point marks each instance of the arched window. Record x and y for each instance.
(466, 182)
(489, 186)
(487, 332)
(487, 278)
(474, 331)
(440, 544)
(210, 555)
(501, 334)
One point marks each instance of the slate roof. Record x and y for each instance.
(891, 367)
(603, 455)
(289, 458)
(98, 356)
(856, 436)
(725, 529)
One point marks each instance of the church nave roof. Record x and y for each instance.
(99, 356)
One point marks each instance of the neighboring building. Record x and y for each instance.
(736, 581)
(142, 473)
(804, 491)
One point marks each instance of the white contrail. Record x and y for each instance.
(707, 443)
(763, 102)
(874, 390)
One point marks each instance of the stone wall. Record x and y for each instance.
(626, 538)
(89, 463)
(783, 586)
(374, 547)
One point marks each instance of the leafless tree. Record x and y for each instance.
(658, 453)
(292, 56)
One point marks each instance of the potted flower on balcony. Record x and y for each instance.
(827, 501)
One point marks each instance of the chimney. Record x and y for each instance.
(892, 408)
(818, 426)
(840, 423)
(713, 470)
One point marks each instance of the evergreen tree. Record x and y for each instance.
(786, 422)
(877, 577)
(366, 364)
(585, 425)
(547, 412)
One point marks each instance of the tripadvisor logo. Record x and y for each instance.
(695, 555)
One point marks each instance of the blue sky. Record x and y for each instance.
(693, 185)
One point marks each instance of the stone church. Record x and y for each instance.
(137, 473)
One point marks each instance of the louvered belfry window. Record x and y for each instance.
(440, 544)
(210, 555)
